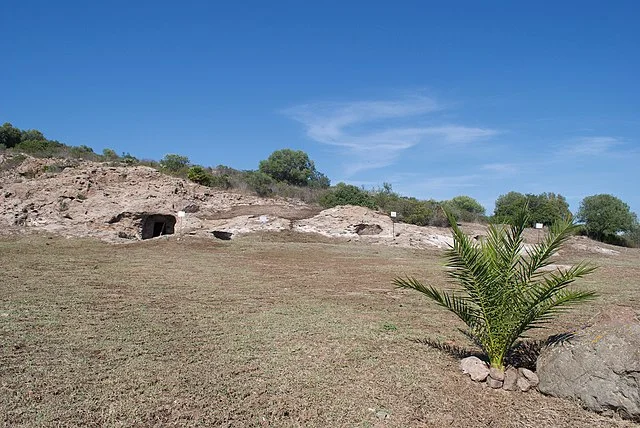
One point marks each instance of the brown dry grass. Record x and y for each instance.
(252, 332)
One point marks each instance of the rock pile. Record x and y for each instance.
(512, 379)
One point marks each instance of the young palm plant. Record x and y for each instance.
(506, 291)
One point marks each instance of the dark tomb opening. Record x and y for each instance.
(157, 225)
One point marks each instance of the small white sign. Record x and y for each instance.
(394, 214)
(181, 214)
(263, 219)
(539, 225)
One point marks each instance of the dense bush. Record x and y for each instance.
(546, 208)
(632, 237)
(199, 175)
(605, 216)
(293, 167)
(10, 136)
(175, 163)
(347, 194)
(109, 155)
(259, 182)
(220, 181)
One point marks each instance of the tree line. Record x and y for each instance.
(291, 173)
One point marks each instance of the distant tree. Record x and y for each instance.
(32, 134)
(9, 136)
(319, 181)
(468, 204)
(128, 159)
(509, 206)
(109, 155)
(82, 152)
(200, 175)
(546, 208)
(605, 214)
(174, 163)
(293, 167)
(465, 208)
(347, 194)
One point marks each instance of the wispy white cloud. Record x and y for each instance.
(593, 146)
(501, 168)
(372, 134)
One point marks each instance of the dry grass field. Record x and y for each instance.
(272, 330)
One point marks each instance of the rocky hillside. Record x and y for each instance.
(124, 203)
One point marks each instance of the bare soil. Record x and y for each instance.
(274, 329)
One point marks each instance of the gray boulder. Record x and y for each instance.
(599, 366)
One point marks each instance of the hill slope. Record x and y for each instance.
(123, 203)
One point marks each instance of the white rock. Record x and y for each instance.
(475, 367)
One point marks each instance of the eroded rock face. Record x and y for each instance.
(367, 229)
(600, 366)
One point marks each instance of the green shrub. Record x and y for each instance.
(632, 237)
(220, 181)
(505, 290)
(347, 194)
(128, 159)
(109, 155)
(259, 182)
(174, 163)
(82, 152)
(199, 175)
(39, 148)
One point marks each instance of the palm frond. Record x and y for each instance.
(505, 291)
(459, 305)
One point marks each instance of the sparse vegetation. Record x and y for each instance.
(292, 174)
(506, 293)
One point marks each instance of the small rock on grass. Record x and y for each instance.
(494, 383)
(475, 367)
(496, 374)
(523, 384)
(530, 376)
(510, 379)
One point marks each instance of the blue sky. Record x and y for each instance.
(438, 98)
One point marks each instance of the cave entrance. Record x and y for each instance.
(158, 228)
(155, 225)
